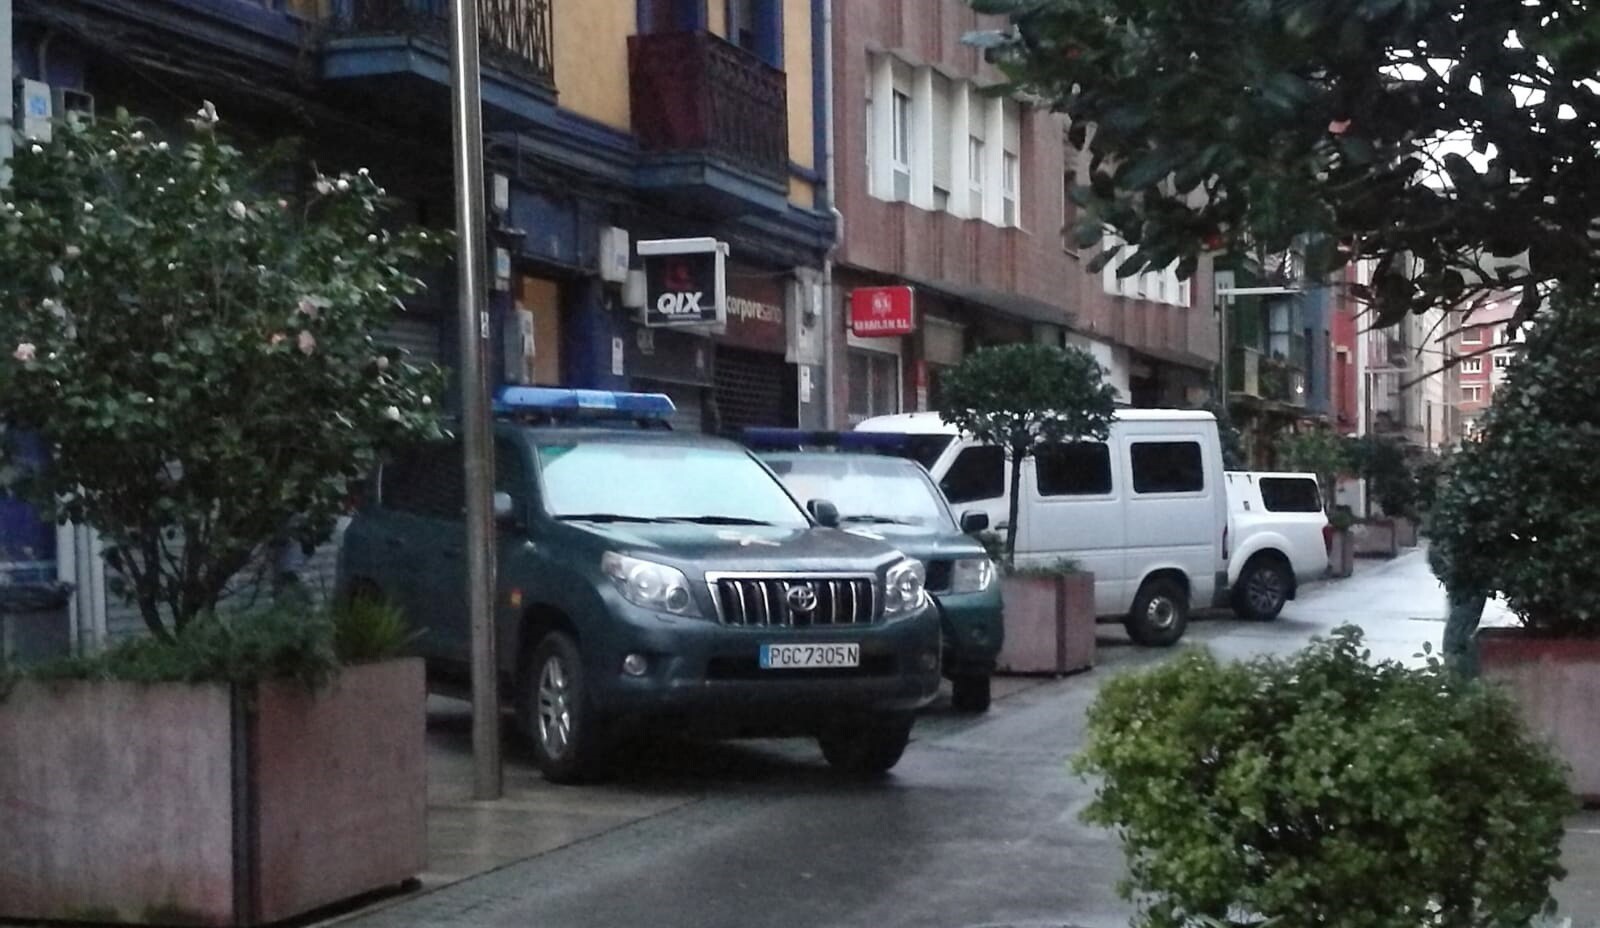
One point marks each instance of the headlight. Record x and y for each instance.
(904, 591)
(971, 575)
(649, 585)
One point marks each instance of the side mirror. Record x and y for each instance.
(825, 513)
(974, 522)
(505, 509)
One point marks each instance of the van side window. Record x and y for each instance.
(1167, 467)
(977, 473)
(1077, 469)
(426, 481)
(1290, 494)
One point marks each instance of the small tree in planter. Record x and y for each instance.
(193, 352)
(1324, 789)
(1024, 398)
(1320, 452)
(1515, 515)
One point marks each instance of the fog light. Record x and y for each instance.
(635, 665)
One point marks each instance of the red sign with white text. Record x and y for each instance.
(882, 312)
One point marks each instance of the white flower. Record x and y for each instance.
(137, 136)
(38, 149)
(172, 265)
(307, 307)
(427, 401)
(25, 352)
(57, 275)
(55, 309)
(372, 239)
(160, 189)
(161, 146)
(343, 185)
(237, 209)
(323, 187)
(307, 343)
(362, 172)
(73, 251)
(111, 155)
(207, 112)
(383, 362)
(392, 413)
(283, 204)
(88, 207)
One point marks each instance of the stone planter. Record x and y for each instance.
(210, 805)
(1050, 624)
(1405, 533)
(1556, 684)
(1341, 553)
(1376, 538)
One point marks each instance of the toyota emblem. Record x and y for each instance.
(802, 597)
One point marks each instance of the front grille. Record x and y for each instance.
(939, 576)
(778, 601)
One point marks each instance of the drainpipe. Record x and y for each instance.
(830, 326)
(6, 98)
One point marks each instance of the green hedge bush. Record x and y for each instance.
(1324, 791)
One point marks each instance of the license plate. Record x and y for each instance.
(802, 656)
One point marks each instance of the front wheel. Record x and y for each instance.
(1263, 589)
(1160, 614)
(969, 692)
(868, 747)
(555, 712)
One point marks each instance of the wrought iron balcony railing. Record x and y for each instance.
(695, 92)
(514, 34)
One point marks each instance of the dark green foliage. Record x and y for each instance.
(1024, 397)
(1515, 511)
(367, 630)
(1317, 451)
(1324, 791)
(1233, 457)
(195, 351)
(1389, 468)
(1248, 125)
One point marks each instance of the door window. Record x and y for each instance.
(1167, 467)
(978, 473)
(1077, 469)
(427, 481)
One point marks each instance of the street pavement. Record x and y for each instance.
(978, 826)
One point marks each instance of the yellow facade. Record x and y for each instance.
(591, 69)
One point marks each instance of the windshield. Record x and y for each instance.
(636, 481)
(923, 448)
(866, 489)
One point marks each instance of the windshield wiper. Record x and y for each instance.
(606, 517)
(715, 520)
(877, 520)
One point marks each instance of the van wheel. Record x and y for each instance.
(867, 747)
(553, 707)
(1263, 589)
(969, 692)
(1160, 613)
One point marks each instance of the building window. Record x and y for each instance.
(1012, 167)
(1502, 361)
(1069, 213)
(975, 157)
(900, 115)
(1079, 469)
(874, 384)
(1472, 336)
(757, 27)
(1167, 467)
(944, 141)
(1472, 366)
(1472, 393)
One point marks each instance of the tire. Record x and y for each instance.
(969, 692)
(1263, 589)
(553, 708)
(1160, 614)
(868, 747)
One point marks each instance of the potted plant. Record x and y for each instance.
(1392, 483)
(192, 350)
(1050, 621)
(1024, 398)
(1323, 789)
(1515, 516)
(1341, 545)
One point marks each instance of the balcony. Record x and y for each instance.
(712, 120)
(1255, 375)
(394, 56)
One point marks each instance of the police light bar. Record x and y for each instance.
(775, 439)
(563, 401)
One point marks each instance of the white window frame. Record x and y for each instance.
(1472, 393)
(1472, 366)
(881, 348)
(1010, 187)
(901, 146)
(1502, 360)
(977, 155)
(1472, 336)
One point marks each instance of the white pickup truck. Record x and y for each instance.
(1277, 539)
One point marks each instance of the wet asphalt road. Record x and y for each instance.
(977, 826)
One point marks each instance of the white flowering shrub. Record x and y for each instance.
(194, 350)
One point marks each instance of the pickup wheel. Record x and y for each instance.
(867, 747)
(969, 692)
(1160, 613)
(1263, 589)
(553, 706)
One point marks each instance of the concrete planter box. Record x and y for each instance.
(1341, 553)
(1556, 684)
(210, 805)
(1376, 538)
(1405, 533)
(1049, 624)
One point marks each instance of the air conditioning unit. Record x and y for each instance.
(35, 110)
(72, 104)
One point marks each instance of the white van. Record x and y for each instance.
(1146, 510)
(1278, 533)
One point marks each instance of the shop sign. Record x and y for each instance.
(685, 282)
(882, 312)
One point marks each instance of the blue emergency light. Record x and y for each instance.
(570, 403)
(775, 439)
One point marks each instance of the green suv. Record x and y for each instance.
(652, 578)
(893, 499)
